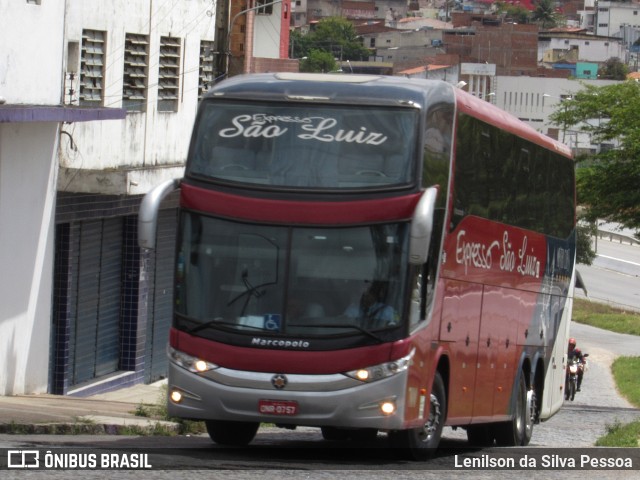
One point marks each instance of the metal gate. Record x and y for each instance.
(95, 328)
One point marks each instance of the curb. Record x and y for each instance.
(89, 427)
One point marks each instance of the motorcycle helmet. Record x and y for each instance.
(572, 341)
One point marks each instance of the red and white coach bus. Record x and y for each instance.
(368, 254)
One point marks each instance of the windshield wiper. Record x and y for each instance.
(219, 321)
(250, 291)
(339, 325)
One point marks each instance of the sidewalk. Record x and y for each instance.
(107, 413)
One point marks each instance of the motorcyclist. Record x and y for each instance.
(573, 351)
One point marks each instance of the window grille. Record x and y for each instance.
(169, 75)
(136, 65)
(92, 67)
(266, 9)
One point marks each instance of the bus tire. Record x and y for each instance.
(517, 431)
(236, 434)
(422, 443)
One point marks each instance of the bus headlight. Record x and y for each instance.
(383, 370)
(189, 362)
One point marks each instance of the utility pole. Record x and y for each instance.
(222, 13)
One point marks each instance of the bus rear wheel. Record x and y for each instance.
(518, 431)
(422, 443)
(236, 434)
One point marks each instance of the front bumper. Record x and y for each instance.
(321, 400)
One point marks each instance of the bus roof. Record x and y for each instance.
(340, 88)
(380, 90)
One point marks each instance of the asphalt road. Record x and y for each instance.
(283, 454)
(277, 453)
(614, 277)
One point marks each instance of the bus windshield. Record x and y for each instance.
(290, 280)
(304, 146)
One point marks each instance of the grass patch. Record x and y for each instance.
(619, 435)
(625, 372)
(159, 411)
(606, 317)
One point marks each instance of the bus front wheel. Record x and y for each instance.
(236, 434)
(421, 443)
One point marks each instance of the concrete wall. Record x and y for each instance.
(27, 199)
(30, 74)
(267, 28)
(30, 64)
(153, 141)
(588, 49)
(148, 147)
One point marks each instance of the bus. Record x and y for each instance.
(369, 255)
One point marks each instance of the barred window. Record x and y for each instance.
(92, 67)
(169, 74)
(136, 67)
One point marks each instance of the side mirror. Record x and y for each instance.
(148, 213)
(422, 227)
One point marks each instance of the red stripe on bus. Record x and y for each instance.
(301, 212)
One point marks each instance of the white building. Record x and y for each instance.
(534, 99)
(82, 309)
(577, 47)
(613, 19)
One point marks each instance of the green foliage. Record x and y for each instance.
(334, 35)
(514, 12)
(545, 14)
(584, 233)
(619, 435)
(613, 69)
(604, 316)
(625, 372)
(607, 181)
(318, 61)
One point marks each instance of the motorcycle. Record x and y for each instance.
(574, 366)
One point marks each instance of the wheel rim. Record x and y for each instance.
(530, 414)
(520, 413)
(431, 427)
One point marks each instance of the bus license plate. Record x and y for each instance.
(278, 407)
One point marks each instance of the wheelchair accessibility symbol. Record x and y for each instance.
(272, 322)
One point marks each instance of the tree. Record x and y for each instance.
(608, 181)
(584, 233)
(334, 35)
(613, 69)
(545, 14)
(516, 13)
(318, 61)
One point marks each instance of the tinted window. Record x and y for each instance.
(505, 178)
(304, 146)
